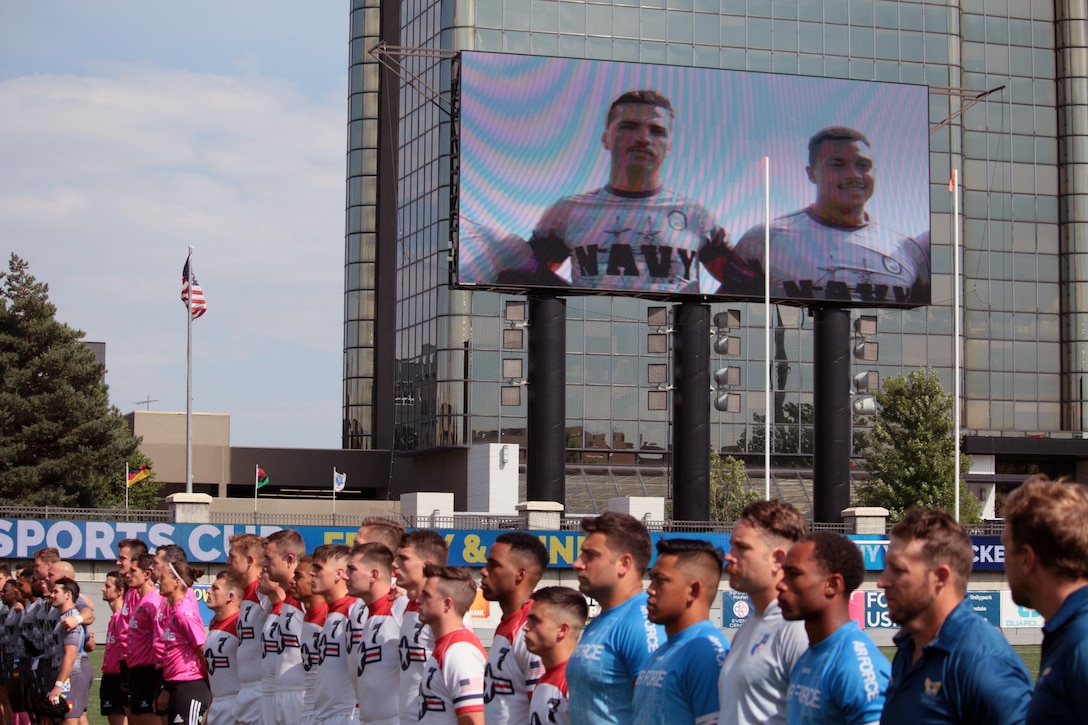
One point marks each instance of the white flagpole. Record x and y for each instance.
(256, 480)
(189, 382)
(126, 485)
(334, 491)
(956, 413)
(767, 325)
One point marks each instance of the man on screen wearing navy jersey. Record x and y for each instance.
(842, 676)
(936, 677)
(832, 249)
(634, 234)
(1046, 562)
(617, 642)
(753, 681)
(679, 682)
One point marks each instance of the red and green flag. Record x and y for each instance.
(262, 478)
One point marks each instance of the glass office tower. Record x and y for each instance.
(428, 367)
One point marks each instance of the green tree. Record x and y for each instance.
(909, 453)
(729, 493)
(61, 442)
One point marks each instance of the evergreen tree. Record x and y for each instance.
(910, 453)
(61, 442)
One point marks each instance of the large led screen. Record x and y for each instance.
(622, 178)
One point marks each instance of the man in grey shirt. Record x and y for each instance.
(756, 673)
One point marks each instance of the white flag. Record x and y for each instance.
(339, 480)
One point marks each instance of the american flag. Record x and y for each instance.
(199, 305)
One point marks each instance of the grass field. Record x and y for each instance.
(1029, 653)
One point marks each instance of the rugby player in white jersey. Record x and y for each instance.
(334, 696)
(246, 559)
(317, 611)
(515, 564)
(221, 647)
(283, 680)
(452, 689)
(417, 549)
(374, 663)
(552, 628)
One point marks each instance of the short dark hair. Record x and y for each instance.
(644, 97)
(837, 554)
(185, 573)
(330, 552)
(526, 545)
(428, 544)
(944, 541)
(455, 582)
(145, 562)
(777, 519)
(624, 533)
(832, 133)
(569, 600)
(69, 585)
(172, 553)
(1049, 516)
(697, 554)
(374, 553)
(135, 547)
(119, 580)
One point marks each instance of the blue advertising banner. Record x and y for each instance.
(208, 543)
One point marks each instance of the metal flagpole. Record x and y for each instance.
(956, 414)
(126, 488)
(189, 382)
(767, 325)
(256, 483)
(334, 491)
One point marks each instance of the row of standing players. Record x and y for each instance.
(331, 638)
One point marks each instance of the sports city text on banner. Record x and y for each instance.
(207, 543)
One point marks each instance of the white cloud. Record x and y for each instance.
(109, 177)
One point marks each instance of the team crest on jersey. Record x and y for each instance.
(246, 632)
(892, 266)
(498, 685)
(216, 661)
(327, 648)
(370, 656)
(678, 220)
(310, 658)
(412, 651)
(931, 689)
(430, 703)
(761, 643)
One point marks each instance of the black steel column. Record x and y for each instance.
(831, 401)
(691, 413)
(545, 458)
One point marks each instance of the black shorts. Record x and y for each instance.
(145, 683)
(188, 702)
(112, 700)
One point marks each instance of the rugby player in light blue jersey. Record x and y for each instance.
(842, 676)
(936, 677)
(679, 683)
(616, 644)
(1046, 562)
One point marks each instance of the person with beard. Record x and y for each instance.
(1046, 563)
(936, 677)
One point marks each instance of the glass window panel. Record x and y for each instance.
(572, 46)
(810, 37)
(599, 48)
(732, 31)
(810, 11)
(997, 29)
(886, 14)
(598, 403)
(1020, 32)
(704, 56)
(887, 44)
(599, 20)
(680, 26)
(759, 33)
(784, 34)
(489, 13)
(626, 22)
(837, 39)
(837, 11)
(572, 18)
(760, 60)
(759, 8)
(861, 12)
(651, 52)
(706, 30)
(936, 18)
(784, 63)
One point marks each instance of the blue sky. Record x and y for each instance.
(130, 130)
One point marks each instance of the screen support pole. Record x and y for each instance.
(831, 403)
(691, 413)
(545, 457)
